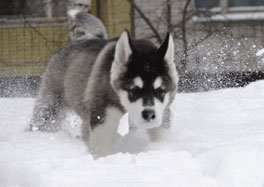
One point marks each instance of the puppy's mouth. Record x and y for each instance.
(150, 124)
(142, 123)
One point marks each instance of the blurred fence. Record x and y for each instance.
(25, 46)
(32, 30)
(221, 49)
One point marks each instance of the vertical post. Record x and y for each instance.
(48, 8)
(132, 14)
(98, 8)
(169, 15)
(224, 6)
(183, 66)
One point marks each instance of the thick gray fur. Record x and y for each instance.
(85, 25)
(64, 83)
(78, 77)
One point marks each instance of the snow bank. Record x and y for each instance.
(217, 139)
(245, 16)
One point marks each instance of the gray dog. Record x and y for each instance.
(103, 79)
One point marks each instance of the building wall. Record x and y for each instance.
(231, 45)
(115, 14)
(26, 43)
(156, 11)
(25, 50)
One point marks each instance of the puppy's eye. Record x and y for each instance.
(159, 92)
(134, 90)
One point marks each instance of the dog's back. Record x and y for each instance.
(65, 79)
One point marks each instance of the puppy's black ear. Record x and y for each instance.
(123, 48)
(166, 50)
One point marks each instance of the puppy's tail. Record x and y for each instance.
(85, 25)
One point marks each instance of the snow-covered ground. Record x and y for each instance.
(217, 140)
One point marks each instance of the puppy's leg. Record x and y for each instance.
(45, 111)
(102, 139)
(158, 134)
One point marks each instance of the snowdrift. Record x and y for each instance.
(217, 139)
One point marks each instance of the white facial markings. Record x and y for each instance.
(159, 108)
(136, 108)
(138, 82)
(157, 83)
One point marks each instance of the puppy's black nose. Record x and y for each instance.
(148, 115)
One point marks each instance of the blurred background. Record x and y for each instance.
(218, 42)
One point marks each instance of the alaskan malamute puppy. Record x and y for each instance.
(101, 80)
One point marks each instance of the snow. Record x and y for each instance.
(217, 139)
(236, 9)
(260, 52)
(245, 16)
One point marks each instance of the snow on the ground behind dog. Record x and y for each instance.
(217, 140)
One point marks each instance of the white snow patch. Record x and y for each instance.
(218, 141)
(72, 124)
(260, 52)
(245, 16)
